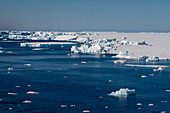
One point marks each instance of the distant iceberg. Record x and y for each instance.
(123, 92)
(153, 59)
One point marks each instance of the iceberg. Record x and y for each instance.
(123, 92)
(119, 61)
(153, 59)
(160, 69)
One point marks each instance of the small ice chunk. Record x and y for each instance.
(110, 81)
(63, 106)
(86, 111)
(150, 104)
(143, 76)
(9, 93)
(10, 108)
(28, 85)
(139, 104)
(9, 69)
(160, 69)
(26, 102)
(27, 64)
(73, 105)
(123, 92)
(17, 86)
(32, 92)
(167, 90)
(119, 61)
(139, 108)
(106, 107)
(83, 62)
(151, 74)
(0, 99)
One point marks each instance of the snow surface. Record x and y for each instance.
(158, 43)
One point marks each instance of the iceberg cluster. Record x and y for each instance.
(41, 35)
(92, 46)
(100, 46)
(123, 92)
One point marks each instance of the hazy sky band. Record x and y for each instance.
(78, 15)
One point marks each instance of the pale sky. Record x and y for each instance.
(85, 15)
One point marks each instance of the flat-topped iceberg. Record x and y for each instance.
(123, 92)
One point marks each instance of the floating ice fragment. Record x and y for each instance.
(73, 105)
(119, 61)
(83, 62)
(150, 104)
(139, 108)
(160, 69)
(123, 92)
(0, 99)
(110, 81)
(143, 76)
(151, 74)
(28, 85)
(139, 104)
(9, 69)
(86, 111)
(17, 86)
(9, 93)
(26, 102)
(10, 108)
(167, 90)
(32, 92)
(27, 64)
(106, 107)
(63, 106)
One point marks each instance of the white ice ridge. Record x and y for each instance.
(100, 46)
(123, 92)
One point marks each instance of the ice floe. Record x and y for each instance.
(123, 92)
(139, 104)
(119, 61)
(26, 102)
(150, 104)
(86, 111)
(143, 76)
(9, 93)
(160, 69)
(32, 92)
(27, 64)
(63, 106)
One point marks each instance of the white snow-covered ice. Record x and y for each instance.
(123, 92)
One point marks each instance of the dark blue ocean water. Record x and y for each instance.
(62, 79)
